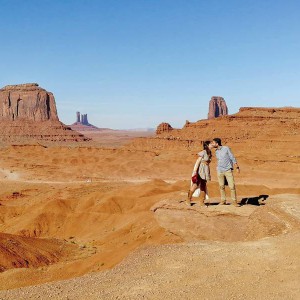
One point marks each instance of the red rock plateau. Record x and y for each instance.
(116, 214)
(217, 107)
(28, 114)
(262, 137)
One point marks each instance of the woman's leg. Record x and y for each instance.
(193, 188)
(202, 191)
(190, 193)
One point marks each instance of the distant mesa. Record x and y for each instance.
(28, 113)
(217, 107)
(163, 127)
(27, 102)
(256, 126)
(82, 123)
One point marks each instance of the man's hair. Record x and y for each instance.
(217, 140)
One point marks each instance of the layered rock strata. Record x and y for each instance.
(163, 127)
(258, 127)
(28, 113)
(27, 102)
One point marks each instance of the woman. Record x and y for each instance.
(201, 173)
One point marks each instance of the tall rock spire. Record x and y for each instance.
(217, 107)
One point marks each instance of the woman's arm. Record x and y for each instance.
(198, 161)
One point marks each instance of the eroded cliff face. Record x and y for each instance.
(28, 113)
(163, 127)
(27, 102)
(217, 107)
(251, 126)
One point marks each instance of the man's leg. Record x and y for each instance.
(221, 179)
(231, 184)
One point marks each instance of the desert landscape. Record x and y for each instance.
(101, 215)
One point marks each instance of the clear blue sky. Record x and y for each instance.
(136, 63)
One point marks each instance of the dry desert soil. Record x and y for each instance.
(108, 221)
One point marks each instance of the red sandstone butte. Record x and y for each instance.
(28, 113)
(217, 107)
(27, 101)
(163, 127)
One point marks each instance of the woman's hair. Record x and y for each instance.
(206, 148)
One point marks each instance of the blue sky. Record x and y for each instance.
(136, 63)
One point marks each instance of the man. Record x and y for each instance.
(226, 160)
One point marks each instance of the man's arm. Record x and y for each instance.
(233, 159)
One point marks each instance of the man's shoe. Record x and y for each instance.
(234, 203)
(222, 203)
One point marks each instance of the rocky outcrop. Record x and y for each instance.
(28, 113)
(82, 123)
(25, 252)
(269, 112)
(77, 117)
(27, 102)
(163, 127)
(254, 126)
(84, 119)
(217, 107)
(204, 223)
(81, 119)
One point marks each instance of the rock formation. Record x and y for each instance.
(81, 119)
(78, 117)
(27, 102)
(27, 252)
(28, 113)
(84, 119)
(217, 107)
(257, 127)
(163, 127)
(82, 123)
